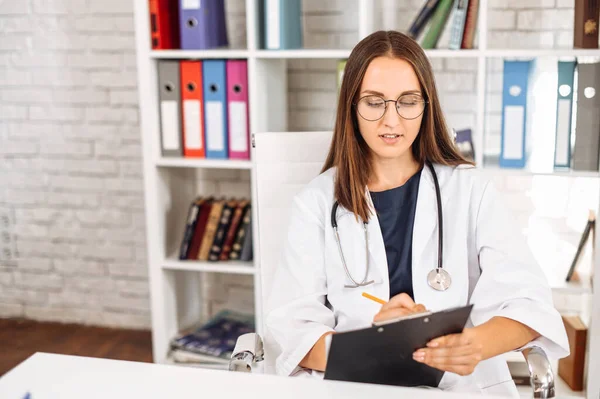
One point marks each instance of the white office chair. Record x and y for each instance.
(286, 162)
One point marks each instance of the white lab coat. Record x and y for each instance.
(487, 258)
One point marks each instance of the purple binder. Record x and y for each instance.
(202, 24)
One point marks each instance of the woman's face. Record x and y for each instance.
(388, 134)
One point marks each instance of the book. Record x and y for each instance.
(199, 229)
(470, 28)
(240, 239)
(215, 340)
(422, 18)
(238, 213)
(222, 227)
(211, 229)
(190, 226)
(585, 26)
(438, 22)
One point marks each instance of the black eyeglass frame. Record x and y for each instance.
(424, 101)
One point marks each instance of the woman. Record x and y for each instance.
(390, 149)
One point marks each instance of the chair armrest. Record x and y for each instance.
(540, 370)
(248, 351)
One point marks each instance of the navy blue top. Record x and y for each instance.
(396, 212)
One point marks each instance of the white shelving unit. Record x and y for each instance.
(174, 283)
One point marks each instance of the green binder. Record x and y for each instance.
(438, 22)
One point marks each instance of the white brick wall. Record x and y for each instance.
(68, 102)
(70, 149)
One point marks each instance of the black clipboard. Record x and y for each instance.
(383, 354)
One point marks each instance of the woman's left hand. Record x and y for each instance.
(456, 353)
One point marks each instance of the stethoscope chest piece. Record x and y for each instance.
(439, 279)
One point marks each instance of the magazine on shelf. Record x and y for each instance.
(214, 341)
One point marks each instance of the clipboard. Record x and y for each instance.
(382, 354)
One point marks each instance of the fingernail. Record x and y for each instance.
(433, 344)
(418, 357)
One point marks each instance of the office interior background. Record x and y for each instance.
(74, 154)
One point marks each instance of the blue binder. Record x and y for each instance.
(202, 24)
(283, 24)
(564, 115)
(514, 148)
(215, 108)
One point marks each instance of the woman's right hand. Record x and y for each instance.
(398, 306)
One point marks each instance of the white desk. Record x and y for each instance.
(49, 376)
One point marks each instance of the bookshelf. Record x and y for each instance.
(173, 283)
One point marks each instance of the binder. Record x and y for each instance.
(382, 354)
(585, 29)
(458, 24)
(237, 109)
(164, 31)
(422, 17)
(587, 121)
(438, 22)
(283, 24)
(564, 106)
(215, 111)
(170, 107)
(192, 109)
(514, 141)
(202, 24)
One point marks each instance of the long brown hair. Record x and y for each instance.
(349, 153)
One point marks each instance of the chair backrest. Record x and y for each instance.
(284, 164)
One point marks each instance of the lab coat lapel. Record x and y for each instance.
(425, 238)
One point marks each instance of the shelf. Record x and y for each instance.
(227, 267)
(496, 170)
(566, 52)
(571, 287)
(345, 53)
(199, 54)
(490, 165)
(448, 53)
(203, 163)
(303, 53)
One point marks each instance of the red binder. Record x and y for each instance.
(192, 109)
(164, 27)
(237, 109)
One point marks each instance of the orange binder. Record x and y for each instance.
(164, 28)
(192, 109)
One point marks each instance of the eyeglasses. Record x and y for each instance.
(408, 106)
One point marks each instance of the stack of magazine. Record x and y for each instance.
(211, 344)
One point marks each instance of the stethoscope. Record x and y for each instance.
(438, 278)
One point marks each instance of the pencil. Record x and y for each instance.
(373, 298)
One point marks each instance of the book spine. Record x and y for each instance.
(458, 25)
(585, 24)
(189, 229)
(438, 22)
(224, 222)
(468, 37)
(422, 17)
(211, 228)
(238, 244)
